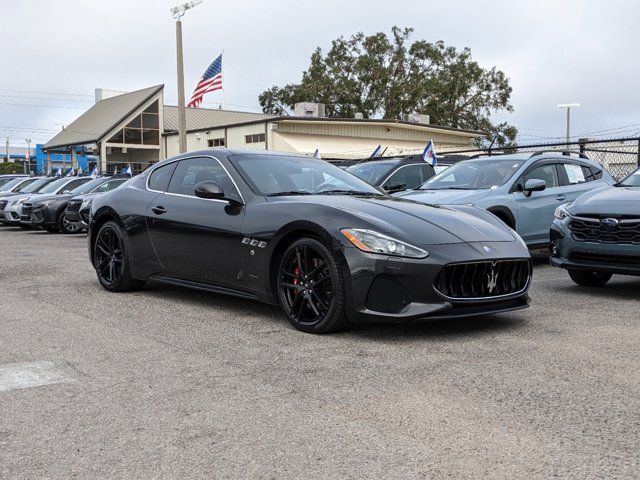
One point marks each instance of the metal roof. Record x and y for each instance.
(209, 118)
(102, 117)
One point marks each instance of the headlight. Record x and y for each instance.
(86, 203)
(20, 201)
(561, 212)
(374, 242)
(46, 203)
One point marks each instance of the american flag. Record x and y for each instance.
(210, 82)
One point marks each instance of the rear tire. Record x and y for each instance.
(311, 287)
(111, 259)
(590, 279)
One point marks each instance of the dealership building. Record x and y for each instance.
(137, 128)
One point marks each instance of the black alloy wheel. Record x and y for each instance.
(311, 287)
(590, 279)
(111, 261)
(66, 226)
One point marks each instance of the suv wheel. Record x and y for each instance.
(589, 279)
(66, 226)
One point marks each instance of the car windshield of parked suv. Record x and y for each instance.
(371, 172)
(632, 180)
(53, 186)
(474, 175)
(87, 187)
(3, 182)
(35, 186)
(274, 175)
(11, 184)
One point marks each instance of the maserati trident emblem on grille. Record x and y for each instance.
(492, 281)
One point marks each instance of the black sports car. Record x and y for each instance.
(263, 225)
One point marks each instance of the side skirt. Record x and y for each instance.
(203, 286)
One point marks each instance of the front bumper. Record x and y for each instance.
(80, 218)
(570, 254)
(39, 217)
(392, 289)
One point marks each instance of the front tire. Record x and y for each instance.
(311, 287)
(589, 279)
(111, 259)
(66, 226)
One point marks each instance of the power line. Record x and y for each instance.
(46, 93)
(42, 106)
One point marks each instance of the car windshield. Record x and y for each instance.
(4, 181)
(371, 172)
(87, 187)
(474, 175)
(632, 180)
(11, 184)
(55, 185)
(35, 186)
(274, 175)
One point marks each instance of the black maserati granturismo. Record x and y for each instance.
(274, 227)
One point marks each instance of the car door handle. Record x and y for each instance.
(159, 210)
(561, 197)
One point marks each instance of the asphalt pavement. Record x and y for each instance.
(172, 383)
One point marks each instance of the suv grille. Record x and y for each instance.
(626, 231)
(607, 259)
(481, 280)
(74, 206)
(27, 208)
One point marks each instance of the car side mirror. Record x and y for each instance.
(209, 189)
(395, 187)
(534, 185)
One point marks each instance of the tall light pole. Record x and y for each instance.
(28, 162)
(177, 13)
(568, 106)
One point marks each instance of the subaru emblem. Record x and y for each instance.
(609, 222)
(489, 250)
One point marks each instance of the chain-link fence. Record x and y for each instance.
(620, 156)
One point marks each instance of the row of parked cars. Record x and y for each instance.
(55, 204)
(387, 240)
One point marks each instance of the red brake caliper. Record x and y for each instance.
(296, 271)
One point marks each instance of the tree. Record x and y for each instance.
(390, 77)
(11, 167)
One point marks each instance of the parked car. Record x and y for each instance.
(79, 207)
(523, 190)
(46, 208)
(250, 225)
(10, 203)
(16, 184)
(393, 174)
(598, 234)
(4, 179)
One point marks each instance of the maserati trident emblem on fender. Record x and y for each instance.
(492, 281)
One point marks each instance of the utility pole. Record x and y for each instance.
(178, 12)
(7, 147)
(28, 162)
(568, 106)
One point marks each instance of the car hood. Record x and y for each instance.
(448, 196)
(608, 200)
(411, 221)
(43, 197)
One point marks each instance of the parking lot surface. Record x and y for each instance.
(172, 383)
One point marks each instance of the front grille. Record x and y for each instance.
(481, 280)
(626, 231)
(74, 206)
(607, 259)
(3, 204)
(27, 208)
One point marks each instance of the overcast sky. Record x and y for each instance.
(553, 52)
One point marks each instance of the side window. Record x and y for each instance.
(107, 186)
(427, 172)
(192, 171)
(588, 173)
(411, 176)
(159, 179)
(575, 173)
(548, 173)
(73, 184)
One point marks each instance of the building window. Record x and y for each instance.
(215, 142)
(142, 130)
(255, 138)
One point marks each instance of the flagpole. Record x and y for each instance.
(222, 73)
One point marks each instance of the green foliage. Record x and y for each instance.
(390, 77)
(11, 167)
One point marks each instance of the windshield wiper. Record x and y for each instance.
(290, 192)
(448, 188)
(349, 192)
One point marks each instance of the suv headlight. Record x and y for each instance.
(46, 203)
(561, 212)
(86, 203)
(374, 242)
